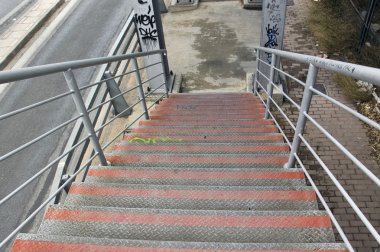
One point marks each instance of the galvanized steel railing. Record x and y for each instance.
(89, 124)
(371, 75)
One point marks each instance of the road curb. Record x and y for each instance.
(35, 28)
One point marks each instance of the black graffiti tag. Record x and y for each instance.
(147, 28)
(272, 40)
(142, 2)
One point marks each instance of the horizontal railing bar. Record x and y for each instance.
(365, 73)
(142, 83)
(154, 103)
(267, 78)
(275, 121)
(46, 202)
(356, 161)
(281, 111)
(115, 77)
(32, 106)
(287, 97)
(348, 109)
(262, 61)
(121, 132)
(145, 67)
(31, 72)
(96, 83)
(47, 167)
(326, 206)
(111, 99)
(35, 140)
(152, 91)
(356, 209)
(116, 117)
(290, 76)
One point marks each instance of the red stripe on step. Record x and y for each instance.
(208, 117)
(195, 175)
(194, 194)
(172, 111)
(205, 130)
(201, 148)
(204, 123)
(208, 107)
(214, 138)
(192, 220)
(33, 246)
(199, 159)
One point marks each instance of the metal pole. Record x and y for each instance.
(81, 107)
(141, 90)
(165, 76)
(270, 86)
(305, 106)
(160, 32)
(256, 74)
(367, 23)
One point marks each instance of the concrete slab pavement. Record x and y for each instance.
(19, 33)
(213, 46)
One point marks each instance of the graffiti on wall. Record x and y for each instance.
(146, 23)
(272, 33)
(274, 17)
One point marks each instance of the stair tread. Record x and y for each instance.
(189, 225)
(37, 243)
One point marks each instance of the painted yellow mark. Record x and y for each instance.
(155, 140)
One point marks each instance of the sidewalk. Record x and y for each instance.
(19, 33)
(351, 132)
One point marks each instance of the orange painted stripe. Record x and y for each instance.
(217, 138)
(173, 111)
(194, 174)
(33, 246)
(192, 220)
(205, 130)
(205, 123)
(201, 148)
(209, 107)
(207, 117)
(199, 159)
(194, 194)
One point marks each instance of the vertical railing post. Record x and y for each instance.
(81, 107)
(165, 75)
(257, 72)
(301, 122)
(140, 88)
(270, 86)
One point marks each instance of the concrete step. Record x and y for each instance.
(208, 108)
(259, 198)
(43, 243)
(189, 225)
(258, 138)
(214, 117)
(199, 161)
(199, 149)
(213, 102)
(205, 123)
(200, 112)
(196, 176)
(208, 131)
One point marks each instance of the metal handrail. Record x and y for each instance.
(80, 138)
(368, 74)
(365, 73)
(36, 71)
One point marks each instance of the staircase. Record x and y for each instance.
(204, 174)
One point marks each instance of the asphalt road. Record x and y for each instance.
(88, 32)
